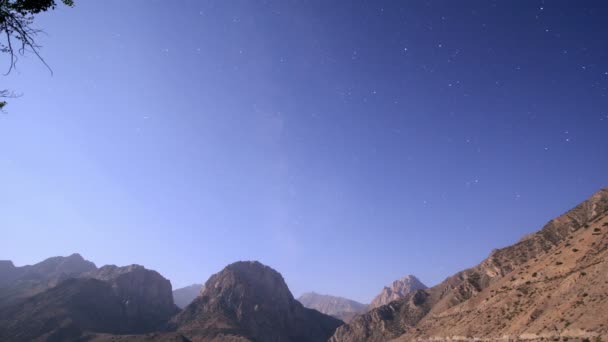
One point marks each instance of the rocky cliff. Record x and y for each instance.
(250, 301)
(146, 296)
(398, 289)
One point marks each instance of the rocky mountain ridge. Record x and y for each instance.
(416, 316)
(550, 285)
(18, 283)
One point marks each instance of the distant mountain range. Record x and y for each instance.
(346, 309)
(341, 308)
(550, 286)
(185, 295)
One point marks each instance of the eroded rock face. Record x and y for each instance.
(397, 290)
(248, 300)
(341, 308)
(455, 307)
(146, 296)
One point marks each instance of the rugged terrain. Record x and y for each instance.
(341, 308)
(250, 301)
(398, 289)
(551, 284)
(185, 295)
(19, 283)
(110, 299)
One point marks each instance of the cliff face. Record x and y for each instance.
(146, 295)
(248, 300)
(341, 308)
(411, 318)
(398, 289)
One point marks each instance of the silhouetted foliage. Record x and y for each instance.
(17, 36)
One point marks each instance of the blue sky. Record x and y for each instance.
(345, 144)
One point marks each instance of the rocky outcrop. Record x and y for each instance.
(398, 289)
(438, 311)
(184, 296)
(250, 301)
(146, 296)
(341, 308)
(387, 321)
(19, 283)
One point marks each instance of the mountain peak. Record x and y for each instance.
(248, 280)
(246, 299)
(398, 289)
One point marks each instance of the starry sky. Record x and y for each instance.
(343, 143)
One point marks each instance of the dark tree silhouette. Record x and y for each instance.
(17, 35)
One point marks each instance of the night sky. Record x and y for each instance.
(343, 143)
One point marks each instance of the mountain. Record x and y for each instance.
(341, 308)
(184, 296)
(64, 312)
(248, 301)
(552, 284)
(398, 289)
(111, 300)
(146, 295)
(18, 283)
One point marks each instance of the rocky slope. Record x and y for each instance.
(341, 308)
(64, 312)
(248, 301)
(551, 283)
(184, 296)
(19, 283)
(398, 289)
